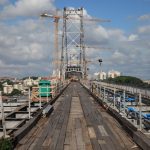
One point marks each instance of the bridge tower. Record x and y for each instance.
(73, 52)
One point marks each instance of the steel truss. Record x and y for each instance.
(72, 40)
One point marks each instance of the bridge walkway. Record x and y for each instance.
(77, 123)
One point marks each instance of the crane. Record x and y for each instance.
(87, 61)
(56, 22)
(94, 47)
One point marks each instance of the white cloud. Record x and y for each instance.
(27, 42)
(144, 29)
(133, 37)
(2, 2)
(117, 34)
(118, 58)
(85, 14)
(27, 8)
(128, 53)
(27, 46)
(117, 55)
(145, 17)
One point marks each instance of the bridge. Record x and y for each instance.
(81, 115)
(77, 122)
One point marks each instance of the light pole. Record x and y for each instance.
(140, 111)
(124, 101)
(47, 92)
(29, 85)
(104, 94)
(29, 102)
(100, 63)
(40, 92)
(114, 97)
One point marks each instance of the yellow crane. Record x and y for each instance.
(56, 52)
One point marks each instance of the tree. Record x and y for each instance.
(1, 87)
(15, 92)
(32, 77)
(9, 82)
(128, 80)
(6, 144)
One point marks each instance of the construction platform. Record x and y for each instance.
(77, 122)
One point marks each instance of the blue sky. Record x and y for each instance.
(26, 40)
(123, 13)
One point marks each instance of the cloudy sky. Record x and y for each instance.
(26, 40)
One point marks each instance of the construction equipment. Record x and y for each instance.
(94, 47)
(70, 15)
(56, 51)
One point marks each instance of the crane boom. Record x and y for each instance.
(94, 47)
(74, 18)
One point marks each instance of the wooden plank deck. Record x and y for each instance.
(77, 123)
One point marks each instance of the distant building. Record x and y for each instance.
(95, 76)
(102, 75)
(18, 86)
(147, 81)
(31, 82)
(36, 82)
(7, 89)
(28, 82)
(113, 74)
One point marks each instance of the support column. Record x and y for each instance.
(29, 103)
(114, 97)
(40, 97)
(140, 111)
(47, 94)
(100, 92)
(3, 117)
(104, 94)
(124, 101)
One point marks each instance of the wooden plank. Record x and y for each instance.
(56, 131)
(95, 144)
(47, 142)
(28, 136)
(101, 142)
(81, 126)
(91, 132)
(67, 138)
(53, 123)
(67, 147)
(50, 129)
(79, 137)
(102, 130)
(73, 142)
(33, 144)
(94, 119)
(85, 134)
(99, 120)
(61, 138)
